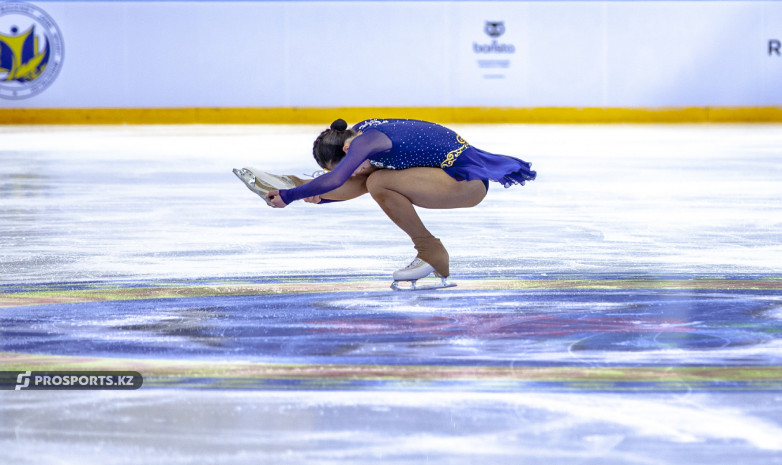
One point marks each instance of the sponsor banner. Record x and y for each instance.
(390, 54)
(771, 41)
(492, 54)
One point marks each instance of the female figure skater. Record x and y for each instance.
(404, 163)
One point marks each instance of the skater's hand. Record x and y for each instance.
(275, 199)
(313, 199)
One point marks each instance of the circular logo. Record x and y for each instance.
(31, 50)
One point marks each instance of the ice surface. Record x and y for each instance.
(389, 428)
(85, 203)
(93, 217)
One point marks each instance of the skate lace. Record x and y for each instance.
(417, 261)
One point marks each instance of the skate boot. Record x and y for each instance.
(262, 183)
(430, 250)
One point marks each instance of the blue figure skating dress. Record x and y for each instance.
(416, 144)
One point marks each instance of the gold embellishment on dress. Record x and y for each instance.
(450, 159)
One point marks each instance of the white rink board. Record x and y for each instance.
(386, 53)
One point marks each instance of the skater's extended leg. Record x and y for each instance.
(297, 180)
(397, 192)
(355, 186)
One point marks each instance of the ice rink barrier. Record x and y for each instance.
(304, 61)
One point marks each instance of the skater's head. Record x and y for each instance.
(329, 147)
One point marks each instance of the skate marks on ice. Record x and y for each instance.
(607, 370)
(392, 428)
(584, 376)
(566, 334)
(159, 202)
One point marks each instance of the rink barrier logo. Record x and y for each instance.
(493, 29)
(774, 47)
(31, 50)
(70, 380)
(493, 58)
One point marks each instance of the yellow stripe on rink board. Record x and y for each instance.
(439, 114)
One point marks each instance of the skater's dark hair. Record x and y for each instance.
(327, 148)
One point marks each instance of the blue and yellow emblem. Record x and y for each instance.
(31, 50)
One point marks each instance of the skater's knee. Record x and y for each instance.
(376, 183)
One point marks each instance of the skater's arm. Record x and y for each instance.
(363, 146)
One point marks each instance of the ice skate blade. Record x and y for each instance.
(245, 176)
(444, 283)
(269, 182)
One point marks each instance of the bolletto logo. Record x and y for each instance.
(494, 59)
(493, 29)
(31, 50)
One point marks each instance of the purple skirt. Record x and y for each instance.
(476, 164)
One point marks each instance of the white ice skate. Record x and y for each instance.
(262, 182)
(413, 272)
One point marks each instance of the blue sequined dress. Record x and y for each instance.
(416, 144)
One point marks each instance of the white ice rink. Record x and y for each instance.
(85, 203)
(130, 204)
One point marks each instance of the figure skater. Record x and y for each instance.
(402, 163)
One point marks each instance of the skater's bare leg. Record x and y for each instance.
(297, 180)
(355, 186)
(397, 192)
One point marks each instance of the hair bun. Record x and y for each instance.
(339, 125)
